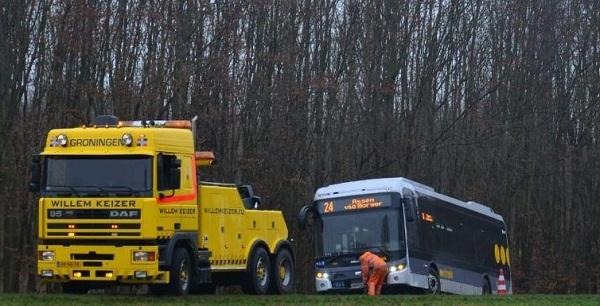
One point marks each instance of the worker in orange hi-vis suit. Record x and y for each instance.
(374, 272)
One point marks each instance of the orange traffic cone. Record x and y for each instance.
(501, 283)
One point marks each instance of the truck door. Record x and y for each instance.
(177, 205)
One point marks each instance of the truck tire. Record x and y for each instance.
(181, 273)
(258, 276)
(74, 288)
(282, 280)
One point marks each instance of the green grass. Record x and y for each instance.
(97, 299)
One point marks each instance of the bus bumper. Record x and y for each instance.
(98, 264)
(399, 277)
(323, 284)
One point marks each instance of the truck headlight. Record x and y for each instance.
(47, 255)
(143, 256)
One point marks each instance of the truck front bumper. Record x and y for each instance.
(99, 263)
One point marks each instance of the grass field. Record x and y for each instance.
(92, 299)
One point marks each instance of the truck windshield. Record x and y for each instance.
(379, 230)
(98, 176)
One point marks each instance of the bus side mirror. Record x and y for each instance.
(36, 174)
(303, 216)
(409, 210)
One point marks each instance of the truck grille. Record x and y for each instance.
(93, 226)
(91, 229)
(93, 223)
(94, 214)
(76, 234)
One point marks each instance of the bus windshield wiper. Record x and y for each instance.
(379, 249)
(339, 255)
(71, 188)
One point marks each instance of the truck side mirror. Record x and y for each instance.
(174, 165)
(169, 172)
(255, 202)
(36, 174)
(174, 178)
(303, 215)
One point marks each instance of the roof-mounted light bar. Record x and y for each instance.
(177, 124)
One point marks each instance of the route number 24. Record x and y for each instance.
(328, 207)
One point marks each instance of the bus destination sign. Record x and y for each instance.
(354, 203)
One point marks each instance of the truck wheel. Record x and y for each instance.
(283, 272)
(71, 288)
(181, 273)
(258, 276)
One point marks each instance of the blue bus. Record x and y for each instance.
(430, 241)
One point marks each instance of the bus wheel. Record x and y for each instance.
(283, 272)
(433, 282)
(258, 276)
(181, 273)
(71, 288)
(485, 287)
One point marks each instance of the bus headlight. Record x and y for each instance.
(143, 256)
(395, 268)
(47, 255)
(322, 275)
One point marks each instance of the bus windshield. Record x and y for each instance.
(379, 230)
(98, 176)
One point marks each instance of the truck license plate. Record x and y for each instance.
(68, 264)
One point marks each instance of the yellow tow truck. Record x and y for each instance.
(121, 203)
